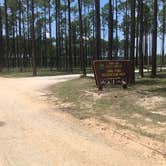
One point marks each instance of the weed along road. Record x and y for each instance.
(34, 133)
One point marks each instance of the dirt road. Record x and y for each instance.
(34, 133)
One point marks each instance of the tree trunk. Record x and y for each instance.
(50, 35)
(1, 41)
(81, 38)
(163, 36)
(154, 39)
(69, 34)
(141, 39)
(117, 40)
(7, 34)
(146, 49)
(132, 46)
(20, 40)
(58, 33)
(126, 46)
(110, 30)
(33, 40)
(98, 32)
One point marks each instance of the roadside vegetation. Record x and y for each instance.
(41, 72)
(141, 108)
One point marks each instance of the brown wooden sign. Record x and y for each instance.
(106, 70)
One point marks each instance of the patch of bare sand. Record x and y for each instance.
(161, 111)
(127, 139)
(151, 103)
(94, 95)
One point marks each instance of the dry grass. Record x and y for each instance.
(141, 108)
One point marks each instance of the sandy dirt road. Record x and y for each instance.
(34, 133)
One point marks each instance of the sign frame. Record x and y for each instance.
(112, 70)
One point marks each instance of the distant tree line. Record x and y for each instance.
(67, 34)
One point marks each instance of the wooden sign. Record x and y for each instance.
(106, 70)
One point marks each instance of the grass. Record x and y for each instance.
(40, 72)
(122, 105)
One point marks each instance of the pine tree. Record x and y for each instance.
(154, 39)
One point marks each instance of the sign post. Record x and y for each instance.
(113, 70)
